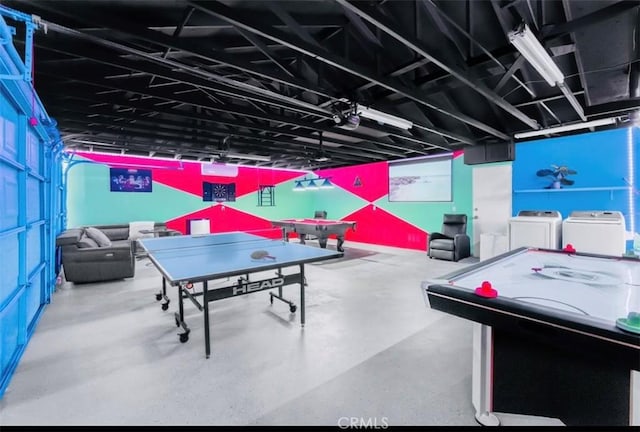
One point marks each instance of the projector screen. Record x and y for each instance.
(420, 179)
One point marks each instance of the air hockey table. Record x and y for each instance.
(556, 334)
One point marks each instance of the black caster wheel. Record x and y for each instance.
(184, 337)
(293, 308)
(165, 306)
(158, 297)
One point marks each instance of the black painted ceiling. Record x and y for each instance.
(201, 79)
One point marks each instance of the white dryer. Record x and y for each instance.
(598, 232)
(536, 228)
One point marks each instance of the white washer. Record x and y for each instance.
(536, 228)
(598, 232)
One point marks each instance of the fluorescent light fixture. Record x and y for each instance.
(382, 117)
(531, 49)
(567, 128)
(249, 157)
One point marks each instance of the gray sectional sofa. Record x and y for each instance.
(86, 260)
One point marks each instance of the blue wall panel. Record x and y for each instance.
(33, 200)
(9, 334)
(601, 160)
(8, 197)
(33, 297)
(34, 153)
(8, 267)
(8, 144)
(34, 248)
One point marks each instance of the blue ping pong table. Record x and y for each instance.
(186, 260)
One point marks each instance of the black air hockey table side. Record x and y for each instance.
(541, 353)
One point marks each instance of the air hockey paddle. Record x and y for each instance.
(261, 254)
(631, 323)
(486, 290)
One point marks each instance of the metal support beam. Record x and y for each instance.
(221, 11)
(381, 22)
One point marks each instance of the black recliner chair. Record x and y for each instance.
(452, 243)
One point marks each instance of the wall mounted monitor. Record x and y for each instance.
(131, 180)
(423, 179)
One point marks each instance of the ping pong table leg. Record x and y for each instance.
(179, 317)
(302, 295)
(163, 295)
(207, 344)
(180, 304)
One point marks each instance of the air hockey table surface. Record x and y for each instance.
(601, 289)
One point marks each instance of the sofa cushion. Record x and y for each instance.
(121, 243)
(86, 242)
(441, 244)
(98, 236)
(115, 232)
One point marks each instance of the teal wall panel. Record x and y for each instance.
(90, 202)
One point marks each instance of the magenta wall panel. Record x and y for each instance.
(368, 181)
(223, 219)
(378, 226)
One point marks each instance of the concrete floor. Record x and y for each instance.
(106, 354)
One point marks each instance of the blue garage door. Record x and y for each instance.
(30, 210)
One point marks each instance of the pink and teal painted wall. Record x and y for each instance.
(606, 163)
(361, 195)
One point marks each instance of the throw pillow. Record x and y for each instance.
(86, 242)
(97, 235)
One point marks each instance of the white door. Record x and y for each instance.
(491, 204)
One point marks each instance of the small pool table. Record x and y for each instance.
(320, 228)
